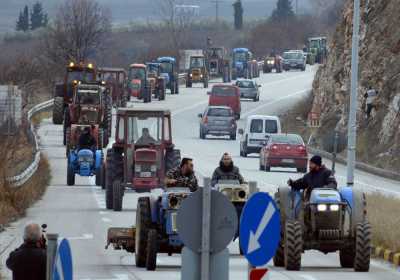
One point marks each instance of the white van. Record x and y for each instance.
(256, 133)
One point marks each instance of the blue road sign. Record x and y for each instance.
(260, 229)
(63, 262)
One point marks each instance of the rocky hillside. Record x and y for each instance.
(379, 137)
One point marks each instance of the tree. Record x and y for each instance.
(283, 11)
(238, 14)
(38, 17)
(78, 32)
(23, 20)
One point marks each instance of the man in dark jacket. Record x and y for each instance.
(226, 171)
(86, 140)
(318, 177)
(182, 176)
(29, 260)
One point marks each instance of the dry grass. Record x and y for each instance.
(383, 214)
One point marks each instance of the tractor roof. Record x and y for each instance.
(197, 56)
(137, 65)
(166, 59)
(145, 112)
(153, 63)
(110, 69)
(240, 50)
(316, 38)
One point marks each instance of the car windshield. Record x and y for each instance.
(137, 73)
(245, 84)
(166, 67)
(144, 130)
(240, 56)
(196, 62)
(223, 91)
(292, 55)
(219, 112)
(271, 126)
(88, 97)
(256, 126)
(290, 139)
(83, 76)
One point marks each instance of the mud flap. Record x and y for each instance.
(121, 239)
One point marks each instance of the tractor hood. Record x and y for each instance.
(319, 196)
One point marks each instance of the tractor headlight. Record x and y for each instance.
(322, 207)
(201, 76)
(138, 168)
(242, 194)
(334, 207)
(153, 168)
(191, 75)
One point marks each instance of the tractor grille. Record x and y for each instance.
(329, 234)
(92, 116)
(196, 72)
(327, 220)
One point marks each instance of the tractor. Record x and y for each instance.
(138, 82)
(88, 107)
(63, 93)
(237, 193)
(155, 231)
(169, 70)
(254, 68)
(219, 65)
(241, 63)
(317, 47)
(157, 81)
(142, 154)
(327, 220)
(197, 71)
(272, 62)
(115, 81)
(85, 162)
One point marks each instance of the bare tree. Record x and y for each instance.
(79, 30)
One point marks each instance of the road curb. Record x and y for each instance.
(387, 255)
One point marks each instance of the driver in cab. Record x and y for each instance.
(146, 138)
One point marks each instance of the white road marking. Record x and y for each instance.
(106, 220)
(307, 277)
(85, 236)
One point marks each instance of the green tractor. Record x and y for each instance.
(317, 50)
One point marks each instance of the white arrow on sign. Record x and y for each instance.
(254, 245)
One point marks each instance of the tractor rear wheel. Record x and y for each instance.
(103, 176)
(143, 220)
(70, 174)
(114, 169)
(172, 159)
(152, 247)
(67, 123)
(293, 245)
(118, 194)
(279, 258)
(58, 110)
(363, 247)
(67, 141)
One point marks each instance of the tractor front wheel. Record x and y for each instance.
(152, 247)
(114, 169)
(118, 194)
(143, 220)
(58, 110)
(363, 247)
(293, 245)
(70, 174)
(99, 176)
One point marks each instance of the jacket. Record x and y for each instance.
(312, 180)
(220, 174)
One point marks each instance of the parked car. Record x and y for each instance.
(249, 89)
(284, 150)
(226, 95)
(218, 120)
(256, 133)
(294, 60)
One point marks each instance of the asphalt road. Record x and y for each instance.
(78, 212)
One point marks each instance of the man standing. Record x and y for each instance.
(226, 171)
(370, 97)
(29, 260)
(182, 176)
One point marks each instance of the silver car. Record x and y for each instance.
(218, 121)
(294, 60)
(249, 89)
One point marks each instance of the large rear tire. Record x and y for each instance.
(67, 141)
(143, 220)
(114, 170)
(58, 110)
(293, 245)
(118, 194)
(70, 175)
(363, 247)
(152, 247)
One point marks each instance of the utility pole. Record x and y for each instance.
(217, 2)
(352, 124)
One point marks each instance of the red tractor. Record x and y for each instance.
(88, 108)
(139, 83)
(115, 80)
(142, 154)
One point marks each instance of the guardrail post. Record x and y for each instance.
(52, 242)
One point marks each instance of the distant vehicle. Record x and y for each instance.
(284, 150)
(256, 133)
(218, 121)
(318, 47)
(226, 95)
(169, 70)
(219, 63)
(249, 89)
(197, 72)
(300, 51)
(294, 60)
(115, 79)
(138, 82)
(272, 62)
(241, 63)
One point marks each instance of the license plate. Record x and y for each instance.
(145, 174)
(288, 161)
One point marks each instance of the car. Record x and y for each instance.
(218, 120)
(226, 95)
(249, 89)
(256, 133)
(284, 150)
(294, 60)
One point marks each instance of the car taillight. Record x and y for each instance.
(274, 147)
(302, 148)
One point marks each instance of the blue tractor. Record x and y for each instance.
(85, 163)
(327, 220)
(241, 62)
(169, 71)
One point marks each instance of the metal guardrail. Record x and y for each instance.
(19, 180)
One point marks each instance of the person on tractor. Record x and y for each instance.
(226, 171)
(145, 139)
(87, 141)
(182, 176)
(318, 177)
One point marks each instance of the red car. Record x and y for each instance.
(284, 150)
(226, 95)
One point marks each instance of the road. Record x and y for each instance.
(79, 214)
